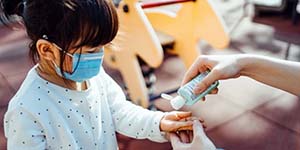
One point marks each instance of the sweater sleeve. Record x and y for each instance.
(23, 131)
(132, 120)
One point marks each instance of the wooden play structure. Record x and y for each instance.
(137, 38)
(196, 20)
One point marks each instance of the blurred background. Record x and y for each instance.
(244, 115)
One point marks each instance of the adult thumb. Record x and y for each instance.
(206, 82)
(174, 139)
(198, 131)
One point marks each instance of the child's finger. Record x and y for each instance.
(187, 119)
(191, 119)
(185, 128)
(182, 114)
(174, 115)
(190, 127)
(178, 125)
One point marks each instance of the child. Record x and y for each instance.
(67, 101)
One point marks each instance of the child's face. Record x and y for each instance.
(51, 53)
(68, 57)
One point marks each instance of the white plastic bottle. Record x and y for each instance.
(186, 95)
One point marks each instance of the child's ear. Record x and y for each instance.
(46, 49)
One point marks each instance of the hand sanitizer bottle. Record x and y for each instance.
(186, 95)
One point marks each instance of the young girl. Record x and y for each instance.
(67, 101)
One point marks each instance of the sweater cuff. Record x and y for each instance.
(157, 135)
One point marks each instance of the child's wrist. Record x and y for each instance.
(160, 123)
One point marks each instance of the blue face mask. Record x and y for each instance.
(84, 66)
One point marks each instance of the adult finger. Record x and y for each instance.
(184, 138)
(191, 136)
(197, 67)
(207, 81)
(167, 135)
(175, 140)
(214, 91)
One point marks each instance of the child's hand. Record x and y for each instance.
(187, 128)
(175, 121)
(195, 139)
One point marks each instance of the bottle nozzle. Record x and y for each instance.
(176, 102)
(166, 96)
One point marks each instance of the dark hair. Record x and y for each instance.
(68, 23)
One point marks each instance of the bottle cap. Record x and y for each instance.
(177, 102)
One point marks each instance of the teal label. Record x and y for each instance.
(187, 90)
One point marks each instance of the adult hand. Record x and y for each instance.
(221, 67)
(199, 141)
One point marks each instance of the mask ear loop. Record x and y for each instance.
(46, 38)
(65, 52)
(77, 61)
